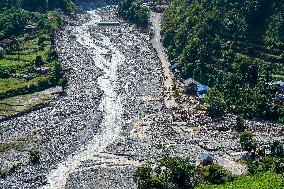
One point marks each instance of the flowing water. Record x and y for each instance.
(110, 104)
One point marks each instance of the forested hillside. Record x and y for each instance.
(234, 46)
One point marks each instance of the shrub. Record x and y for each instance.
(217, 175)
(38, 61)
(217, 105)
(277, 149)
(34, 156)
(240, 124)
(247, 142)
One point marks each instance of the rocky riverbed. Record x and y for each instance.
(113, 117)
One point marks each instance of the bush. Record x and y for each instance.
(217, 174)
(240, 124)
(34, 156)
(217, 105)
(247, 142)
(38, 61)
(169, 173)
(277, 149)
(267, 164)
(142, 176)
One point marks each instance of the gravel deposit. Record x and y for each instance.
(112, 117)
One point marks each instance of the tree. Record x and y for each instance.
(35, 5)
(240, 124)
(38, 61)
(133, 11)
(247, 142)
(277, 149)
(41, 40)
(1, 52)
(57, 73)
(53, 56)
(216, 104)
(63, 82)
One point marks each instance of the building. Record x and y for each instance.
(192, 87)
(106, 24)
(279, 95)
(30, 29)
(5, 42)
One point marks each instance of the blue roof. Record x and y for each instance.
(279, 83)
(202, 88)
(281, 89)
(173, 66)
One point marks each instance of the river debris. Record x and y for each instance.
(113, 116)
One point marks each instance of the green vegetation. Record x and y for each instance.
(240, 124)
(66, 6)
(247, 142)
(133, 11)
(34, 156)
(235, 47)
(179, 173)
(258, 181)
(28, 61)
(264, 171)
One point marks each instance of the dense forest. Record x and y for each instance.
(133, 11)
(234, 46)
(28, 61)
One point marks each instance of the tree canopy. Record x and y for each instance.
(234, 46)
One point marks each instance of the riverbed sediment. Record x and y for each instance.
(113, 116)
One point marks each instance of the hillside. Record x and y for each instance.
(236, 47)
(28, 60)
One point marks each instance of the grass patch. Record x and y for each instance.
(22, 103)
(19, 145)
(259, 181)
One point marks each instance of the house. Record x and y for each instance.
(192, 87)
(202, 91)
(174, 67)
(5, 42)
(42, 70)
(279, 95)
(30, 29)
(279, 98)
